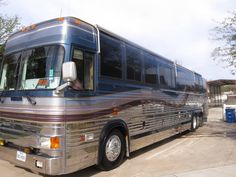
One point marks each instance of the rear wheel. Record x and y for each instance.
(194, 124)
(113, 150)
(200, 121)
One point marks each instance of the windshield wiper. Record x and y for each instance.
(30, 100)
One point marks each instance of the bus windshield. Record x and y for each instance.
(38, 68)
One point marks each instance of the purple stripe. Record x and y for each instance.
(63, 118)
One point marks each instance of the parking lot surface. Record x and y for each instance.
(210, 151)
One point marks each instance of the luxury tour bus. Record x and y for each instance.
(73, 95)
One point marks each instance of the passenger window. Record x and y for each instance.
(184, 79)
(204, 85)
(84, 66)
(134, 64)
(197, 82)
(166, 78)
(150, 66)
(111, 57)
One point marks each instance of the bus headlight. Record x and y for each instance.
(49, 142)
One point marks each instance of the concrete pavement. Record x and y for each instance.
(223, 171)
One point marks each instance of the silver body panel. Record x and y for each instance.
(161, 121)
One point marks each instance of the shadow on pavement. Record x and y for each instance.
(90, 171)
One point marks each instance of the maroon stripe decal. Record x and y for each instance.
(63, 118)
(33, 117)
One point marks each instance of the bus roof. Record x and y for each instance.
(46, 23)
(74, 19)
(53, 32)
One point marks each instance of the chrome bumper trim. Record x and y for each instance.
(51, 166)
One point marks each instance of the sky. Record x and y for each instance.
(176, 29)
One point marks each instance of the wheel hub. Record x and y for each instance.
(194, 122)
(113, 148)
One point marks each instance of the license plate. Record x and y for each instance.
(21, 156)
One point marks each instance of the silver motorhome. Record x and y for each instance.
(74, 95)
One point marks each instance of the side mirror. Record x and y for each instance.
(69, 73)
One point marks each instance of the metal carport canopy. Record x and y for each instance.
(221, 82)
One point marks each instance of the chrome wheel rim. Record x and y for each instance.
(113, 148)
(194, 122)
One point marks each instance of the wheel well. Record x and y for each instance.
(122, 130)
(117, 124)
(198, 114)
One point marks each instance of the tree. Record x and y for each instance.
(225, 34)
(7, 26)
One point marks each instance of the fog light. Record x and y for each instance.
(39, 164)
(2, 142)
(27, 150)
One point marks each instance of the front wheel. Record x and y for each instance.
(113, 150)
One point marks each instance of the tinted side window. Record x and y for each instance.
(180, 83)
(111, 57)
(150, 69)
(84, 65)
(198, 83)
(166, 76)
(134, 63)
(184, 80)
(204, 85)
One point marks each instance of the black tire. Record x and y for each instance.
(201, 121)
(198, 122)
(106, 162)
(194, 124)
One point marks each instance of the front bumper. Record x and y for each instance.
(51, 166)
